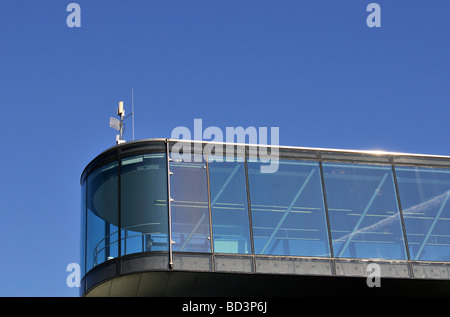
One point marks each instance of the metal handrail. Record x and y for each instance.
(98, 250)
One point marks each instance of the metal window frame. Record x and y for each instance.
(400, 210)
(169, 205)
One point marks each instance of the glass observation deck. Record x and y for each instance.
(139, 200)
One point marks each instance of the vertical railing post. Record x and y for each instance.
(402, 218)
(169, 199)
(327, 214)
(249, 208)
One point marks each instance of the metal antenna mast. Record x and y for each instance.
(118, 124)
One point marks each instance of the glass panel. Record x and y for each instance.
(102, 215)
(229, 207)
(190, 210)
(288, 214)
(363, 211)
(144, 203)
(424, 195)
(83, 230)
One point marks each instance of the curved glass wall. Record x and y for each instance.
(309, 207)
(144, 220)
(83, 229)
(102, 215)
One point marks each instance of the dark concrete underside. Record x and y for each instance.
(207, 284)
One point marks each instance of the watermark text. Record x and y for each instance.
(235, 138)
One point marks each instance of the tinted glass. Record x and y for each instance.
(102, 215)
(363, 211)
(229, 207)
(288, 215)
(190, 210)
(83, 230)
(424, 195)
(144, 203)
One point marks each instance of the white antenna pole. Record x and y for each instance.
(132, 111)
(121, 114)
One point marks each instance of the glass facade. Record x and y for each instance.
(102, 215)
(144, 221)
(424, 195)
(363, 211)
(83, 230)
(288, 213)
(229, 206)
(190, 211)
(312, 206)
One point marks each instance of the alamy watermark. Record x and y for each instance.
(374, 18)
(73, 20)
(236, 140)
(374, 277)
(74, 277)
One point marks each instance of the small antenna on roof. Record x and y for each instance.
(118, 124)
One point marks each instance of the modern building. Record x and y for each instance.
(206, 221)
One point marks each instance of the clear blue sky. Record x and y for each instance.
(313, 68)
